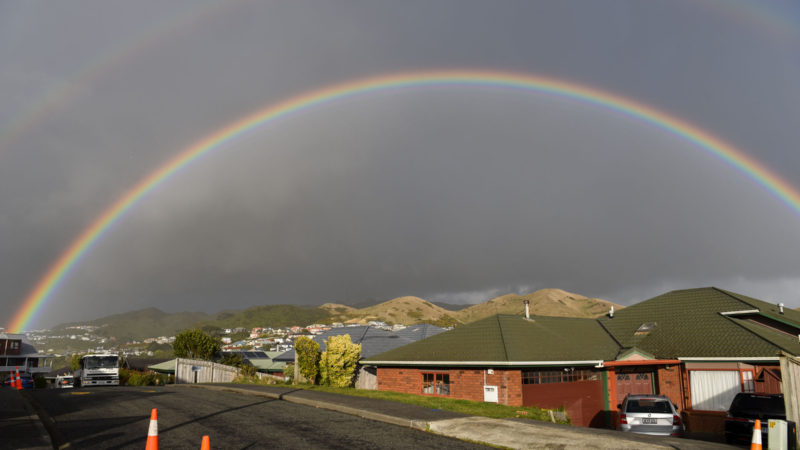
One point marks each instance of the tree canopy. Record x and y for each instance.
(196, 344)
(307, 358)
(337, 365)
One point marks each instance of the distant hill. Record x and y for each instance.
(152, 322)
(413, 310)
(270, 315)
(143, 323)
(405, 310)
(452, 306)
(544, 302)
(337, 309)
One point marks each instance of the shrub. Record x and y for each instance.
(288, 372)
(145, 379)
(338, 362)
(307, 358)
(39, 382)
(124, 374)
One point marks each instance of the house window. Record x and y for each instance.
(747, 381)
(566, 375)
(14, 345)
(436, 383)
(713, 390)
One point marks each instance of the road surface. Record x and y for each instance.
(118, 417)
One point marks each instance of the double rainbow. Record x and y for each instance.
(464, 78)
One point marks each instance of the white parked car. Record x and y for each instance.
(650, 414)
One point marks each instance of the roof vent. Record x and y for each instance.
(780, 307)
(527, 309)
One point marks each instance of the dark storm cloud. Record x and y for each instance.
(450, 194)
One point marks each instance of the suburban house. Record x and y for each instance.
(16, 353)
(373, 341)
(699, 347)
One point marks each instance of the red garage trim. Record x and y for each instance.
(643, 362)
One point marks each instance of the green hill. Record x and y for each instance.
(270, 315)
(143, 323)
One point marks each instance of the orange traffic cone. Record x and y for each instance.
(152, 432)
(755, 443)
(12, 383)
(19, 381)
(206, 445)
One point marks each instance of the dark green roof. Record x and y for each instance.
(509, 339)
(679, 324)
(689, 323)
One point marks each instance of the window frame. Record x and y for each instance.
(556, 376)
(743, 382)
(436, 376)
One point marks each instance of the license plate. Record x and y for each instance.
(650, 421)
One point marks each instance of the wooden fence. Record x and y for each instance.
(189, 371)
(790, 383)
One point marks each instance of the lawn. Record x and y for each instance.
(483, 409)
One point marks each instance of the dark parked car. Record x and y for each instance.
(746, 408)
(27, 381)
(650, 414)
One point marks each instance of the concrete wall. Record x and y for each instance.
(189, 371)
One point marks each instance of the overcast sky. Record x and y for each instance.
(453, 194)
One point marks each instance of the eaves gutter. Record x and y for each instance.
(727, 358)
(597, 363)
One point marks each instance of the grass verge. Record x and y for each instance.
(468, 407)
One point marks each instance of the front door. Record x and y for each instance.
(634, 383)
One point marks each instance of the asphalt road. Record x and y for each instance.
(118, 417)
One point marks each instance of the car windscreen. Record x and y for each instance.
(645, 405)
(765, 404)
(103, 362)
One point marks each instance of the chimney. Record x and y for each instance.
(611, 312)
(780, 307)
(527, 309)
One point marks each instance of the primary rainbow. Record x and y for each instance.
(464, 78)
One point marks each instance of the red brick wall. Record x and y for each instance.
(669, 384)
(466, 384)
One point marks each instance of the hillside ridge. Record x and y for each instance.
(407, 310)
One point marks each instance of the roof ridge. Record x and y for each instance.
(611, 335)
(758, 335)
(502, 338)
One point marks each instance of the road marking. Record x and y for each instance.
(80, 393)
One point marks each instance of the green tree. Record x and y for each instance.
(288, 373)
(196, 344)
(337, 365)
(75, 361)
(307, 358)
(232, 359)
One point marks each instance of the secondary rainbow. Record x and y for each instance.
(702, 139)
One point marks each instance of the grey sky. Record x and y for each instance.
(452, 194)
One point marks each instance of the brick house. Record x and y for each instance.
(697, 346)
